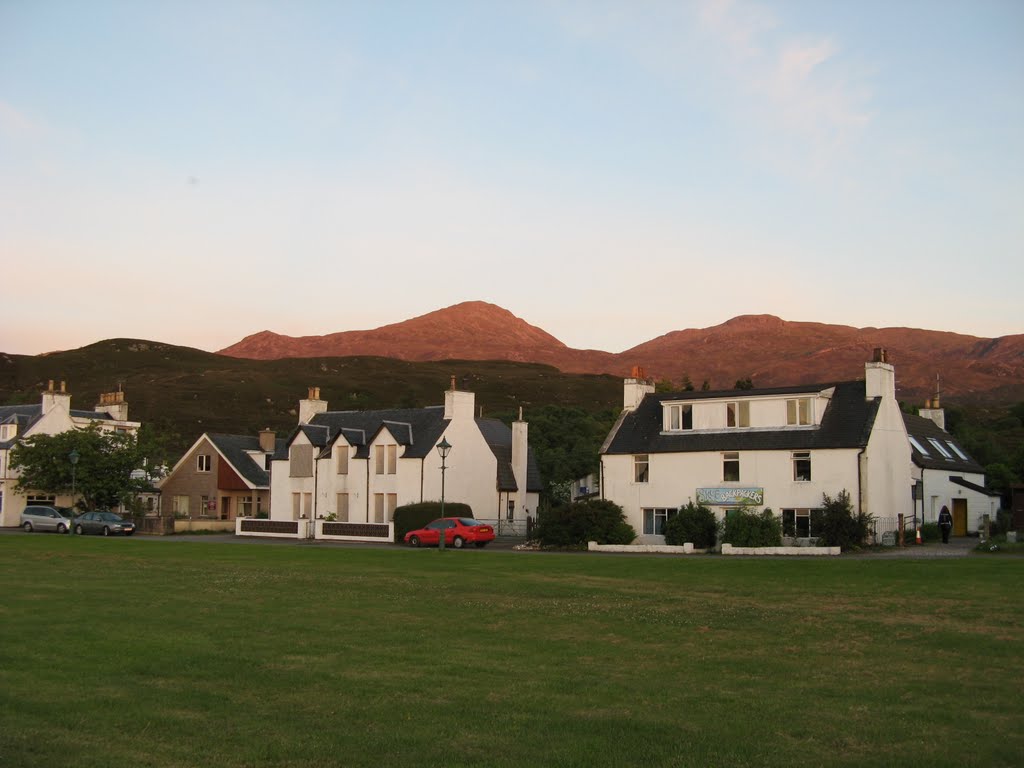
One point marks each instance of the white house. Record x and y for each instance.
(780, 448)
(358, 466)
(52, 416)
(945, 475)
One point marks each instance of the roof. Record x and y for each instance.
(236, 450)
(846, 423)
(972, 486)
(923, 431)
(25, 416)
(499, 439)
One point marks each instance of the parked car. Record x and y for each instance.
(41, 517)
(107, 523)
(458, 531)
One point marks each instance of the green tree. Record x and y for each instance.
(664, 385)
(102, 476)
(687, 383)
(706, 386)
(837, 525)
(693, 523)
(746, 383)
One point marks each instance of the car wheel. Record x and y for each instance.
(27, 526)
(79, 530)
(414, 541)
(62, 528)
(106, 531)
(481, 544)
(458, 542)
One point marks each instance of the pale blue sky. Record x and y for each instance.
(193, 172)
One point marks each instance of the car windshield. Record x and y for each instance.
(469, 521)
(109, 517)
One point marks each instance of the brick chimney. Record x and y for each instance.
(635, 388)
(114, 404)
(268, 440)
(880, 376)
(311, 406)
(53, 398)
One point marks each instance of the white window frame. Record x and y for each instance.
(642, 468)
(204, 463)
(730, 457)
(655, 519)
(799, 412)
(798, 457)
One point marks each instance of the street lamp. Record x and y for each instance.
(443, 448)
(73, 458)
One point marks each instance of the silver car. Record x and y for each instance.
(38, 517)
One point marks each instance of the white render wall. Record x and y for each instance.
(939, 491)
(675, 477)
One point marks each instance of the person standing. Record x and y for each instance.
(945, 524)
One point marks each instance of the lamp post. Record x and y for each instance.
(73, 458)
(443, 448)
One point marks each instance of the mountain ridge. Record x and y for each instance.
(769, 350)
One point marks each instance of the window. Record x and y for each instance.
(179, 506)
(341, 511)
(392, 505)
(798, 411)
(802, 466)
(920, 448)
(940, 448)
(342, 453)
(206, 506)
(296, 505)
(680, 417)
(307, 504)
(378, 453)
(957, 450)
(203, 462)
(655, 519)
(800, 523)
(378, 506)
(301, 464)
(245, 506)
(510, 513)
(737, 414)
(392, 459)
(641, 468)
(267, 461)
(731, 467)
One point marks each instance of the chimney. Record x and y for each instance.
(879, 376)
(459, 405)
(635, 388)
(268, 440)
(311, 406)
(53, 399)
(933, 410)
(114, 404)
(520, 452)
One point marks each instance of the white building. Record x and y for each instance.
(780, 448)
(358, 466)
(945, 475)
(52, 416)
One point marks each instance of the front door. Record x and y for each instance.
(225, 507)
(959, 517)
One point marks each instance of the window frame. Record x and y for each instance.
(801, 457)
(730, 458)
(641, 468)
(204, 463)
(799, 412)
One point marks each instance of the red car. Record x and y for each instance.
(458, 531)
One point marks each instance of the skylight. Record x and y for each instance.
(940, 448)
(920, 448)
(956, 450)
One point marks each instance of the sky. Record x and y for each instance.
(192, 172)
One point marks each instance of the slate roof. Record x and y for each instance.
(921, 428)
(417, 429)
(25, 416)
(235, 448)
(846, 423)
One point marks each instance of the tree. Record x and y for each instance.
(837, 525)
(693, 523)
(687, 383)
(102, 476)
(573, 525)
(746, 383)
(706, 386)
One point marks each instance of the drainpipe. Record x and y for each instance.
(311, 534)
(423, 462)
(860, 479)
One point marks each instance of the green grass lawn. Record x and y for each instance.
(160, 653)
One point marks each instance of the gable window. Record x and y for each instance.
(802, 466)
(798, 411)
(655, 519)
(342, 453)
(641, 468)
(392, 459)
(378, 460)
(731, 467)
(301, 461)
(680, 417)
(203, 462)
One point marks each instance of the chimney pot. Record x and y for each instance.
(49, 385)
(63, 387)
(879, 356)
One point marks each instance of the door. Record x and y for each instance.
(225, 507)
(959, 517)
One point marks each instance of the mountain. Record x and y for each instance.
(765, 348)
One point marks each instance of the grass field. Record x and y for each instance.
(159, 653)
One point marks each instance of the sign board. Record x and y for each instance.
(730, 497)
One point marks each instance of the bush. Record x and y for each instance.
(575, 524)
(747, 528)
(412, 516)
(693, 523)
(838, 526)
(930, 532)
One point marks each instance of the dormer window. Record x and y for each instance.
(680, 417)
(798, 412)
(737, 414)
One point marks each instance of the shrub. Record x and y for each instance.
(575, 524)
(838, 526)
(412, 516)
(930, 532)
(693, 523)
(747, 528)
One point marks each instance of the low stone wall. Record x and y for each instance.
(187, 526)
(336, 531)
(665, 549)
(289, 529)
(729, 549)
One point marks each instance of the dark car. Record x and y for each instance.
(458, 531)
(106, 523)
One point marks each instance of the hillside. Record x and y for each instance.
(769, 350)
